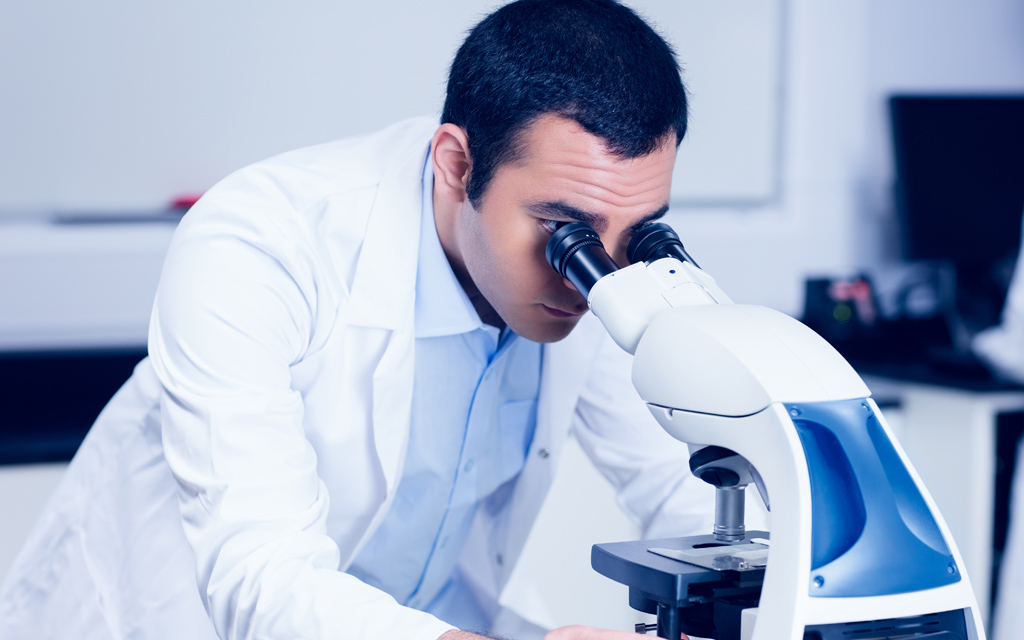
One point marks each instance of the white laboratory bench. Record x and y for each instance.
(84, 283)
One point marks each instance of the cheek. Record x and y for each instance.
(511, 259)
(521, 263)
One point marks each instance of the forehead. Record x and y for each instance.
(560, 161)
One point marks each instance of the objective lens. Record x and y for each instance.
(576, 253)
(656, 241)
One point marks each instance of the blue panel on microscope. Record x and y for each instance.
(871, 530)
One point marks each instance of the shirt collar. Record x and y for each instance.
(442, 306)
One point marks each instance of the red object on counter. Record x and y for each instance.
(185, 201)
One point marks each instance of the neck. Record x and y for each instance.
(445, 213)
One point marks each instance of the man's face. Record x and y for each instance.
(564, 174)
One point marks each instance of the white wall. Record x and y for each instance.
(761, 255)
(112, 104)
(922, 46)
(71, 101)
(120, 104)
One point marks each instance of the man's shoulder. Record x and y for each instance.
(370, 153)
(298, 179)
(309, 208)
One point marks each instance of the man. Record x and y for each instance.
(358, 385)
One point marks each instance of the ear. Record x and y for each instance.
(452, 164)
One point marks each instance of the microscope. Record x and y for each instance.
(857, 550)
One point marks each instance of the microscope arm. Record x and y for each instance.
(696, 351)
(628, 300)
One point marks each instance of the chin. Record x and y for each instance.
(546, 332)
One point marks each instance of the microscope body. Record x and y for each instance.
(857, 547)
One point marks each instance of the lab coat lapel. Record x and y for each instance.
(383, 297)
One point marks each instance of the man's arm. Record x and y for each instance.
(233, 312)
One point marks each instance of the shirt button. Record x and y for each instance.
(543, 453)
(468, 466)
(444, 542)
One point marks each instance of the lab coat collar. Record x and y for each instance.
(383, 295)
(383, 288)
(447, 310)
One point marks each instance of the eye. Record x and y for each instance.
(550, 226)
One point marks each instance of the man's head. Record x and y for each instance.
(591, 61)
(557, 110)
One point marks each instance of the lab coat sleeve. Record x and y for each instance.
(235, 308)
(648, 468)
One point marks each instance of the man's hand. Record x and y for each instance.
(455, 634)
(577, 632)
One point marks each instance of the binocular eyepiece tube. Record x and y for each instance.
(576, 253)
(656, 241)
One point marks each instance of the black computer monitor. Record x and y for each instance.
(959, 176)
(960, 195)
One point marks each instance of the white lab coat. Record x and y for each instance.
(260, 444)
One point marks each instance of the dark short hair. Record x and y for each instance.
(592, 61)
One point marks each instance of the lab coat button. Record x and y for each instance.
(500, 560)
(543, 453)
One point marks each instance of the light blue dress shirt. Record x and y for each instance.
(474, 412)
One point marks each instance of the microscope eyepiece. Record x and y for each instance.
(576, 253)
(656, 241)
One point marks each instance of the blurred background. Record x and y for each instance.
(803, 185)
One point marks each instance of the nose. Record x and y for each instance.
(616, 252)
(568, 284)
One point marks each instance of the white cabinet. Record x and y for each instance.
(78, 285)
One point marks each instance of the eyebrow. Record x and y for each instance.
(596, 221)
